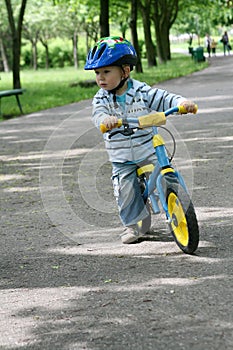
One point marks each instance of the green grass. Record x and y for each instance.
(179, 66)
(51, 88)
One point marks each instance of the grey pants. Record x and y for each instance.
(127, 191)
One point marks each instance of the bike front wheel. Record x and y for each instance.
(183, 225)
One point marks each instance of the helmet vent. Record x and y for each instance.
(101, 51)
(93, 52)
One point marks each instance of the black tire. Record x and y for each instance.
(144, 225)
(184, 225)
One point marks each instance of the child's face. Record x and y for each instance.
(108, 78)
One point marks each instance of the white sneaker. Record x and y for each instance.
(130, 235)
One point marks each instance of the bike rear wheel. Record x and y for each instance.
(183, 225)
(144, 225)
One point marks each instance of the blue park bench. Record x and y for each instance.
(14, 92)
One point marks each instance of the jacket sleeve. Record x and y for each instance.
(161, 100)
(100, 110)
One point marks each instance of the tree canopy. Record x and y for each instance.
(146, 23)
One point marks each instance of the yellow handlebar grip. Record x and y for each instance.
(103, 127)
(196, 109)
(119, 122)
(182, 110)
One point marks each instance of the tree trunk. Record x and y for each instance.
(123, 28)
(4, 57)
(87, 43)
(16, 32)
(75, 49)
(133, 26)
(47, 56)
(34, 54)
(162, 45)
(164, 13)
(45, 44)
(150, 48)
(104, 18)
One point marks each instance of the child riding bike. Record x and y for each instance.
(112, 59)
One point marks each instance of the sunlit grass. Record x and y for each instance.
(177, 67)
(57, 87)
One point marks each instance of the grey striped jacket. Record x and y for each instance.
(140, 99)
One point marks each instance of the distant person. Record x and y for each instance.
(213, 47)
(226, 44)
(208, 44)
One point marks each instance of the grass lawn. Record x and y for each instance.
(57, 87)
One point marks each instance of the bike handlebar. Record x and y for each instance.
(148, 120)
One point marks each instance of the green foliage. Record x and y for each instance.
(224, 16)
(57, 87)
(60, 54)
(203, 16)
(177, 67)
(46, 89)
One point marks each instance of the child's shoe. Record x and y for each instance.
(130, 235)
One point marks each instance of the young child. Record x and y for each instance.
(112, 59)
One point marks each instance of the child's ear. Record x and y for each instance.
(126, 71)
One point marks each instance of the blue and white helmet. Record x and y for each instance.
(111, 51)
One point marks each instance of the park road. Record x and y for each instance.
(67, 282)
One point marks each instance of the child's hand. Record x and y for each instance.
(189, 106)
(110, 122)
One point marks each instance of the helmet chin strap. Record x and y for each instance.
(119, 86)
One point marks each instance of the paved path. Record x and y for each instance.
(66, 280)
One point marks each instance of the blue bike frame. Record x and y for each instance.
(154, 188)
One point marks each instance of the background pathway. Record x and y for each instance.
(66, 280)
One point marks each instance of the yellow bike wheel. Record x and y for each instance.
(183, 225)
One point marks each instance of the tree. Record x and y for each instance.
(16, 33)
(225, 16)
(48, 28)
(80, 16)
(31, 28)
(4, 36)
(164, 13)
(68, 25)
(133, 26)
(104, 18)
(194, 19)
(4, 56)
(70, 18)
(120, 15)
(145, 9)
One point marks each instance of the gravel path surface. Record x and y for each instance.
(67, 282)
